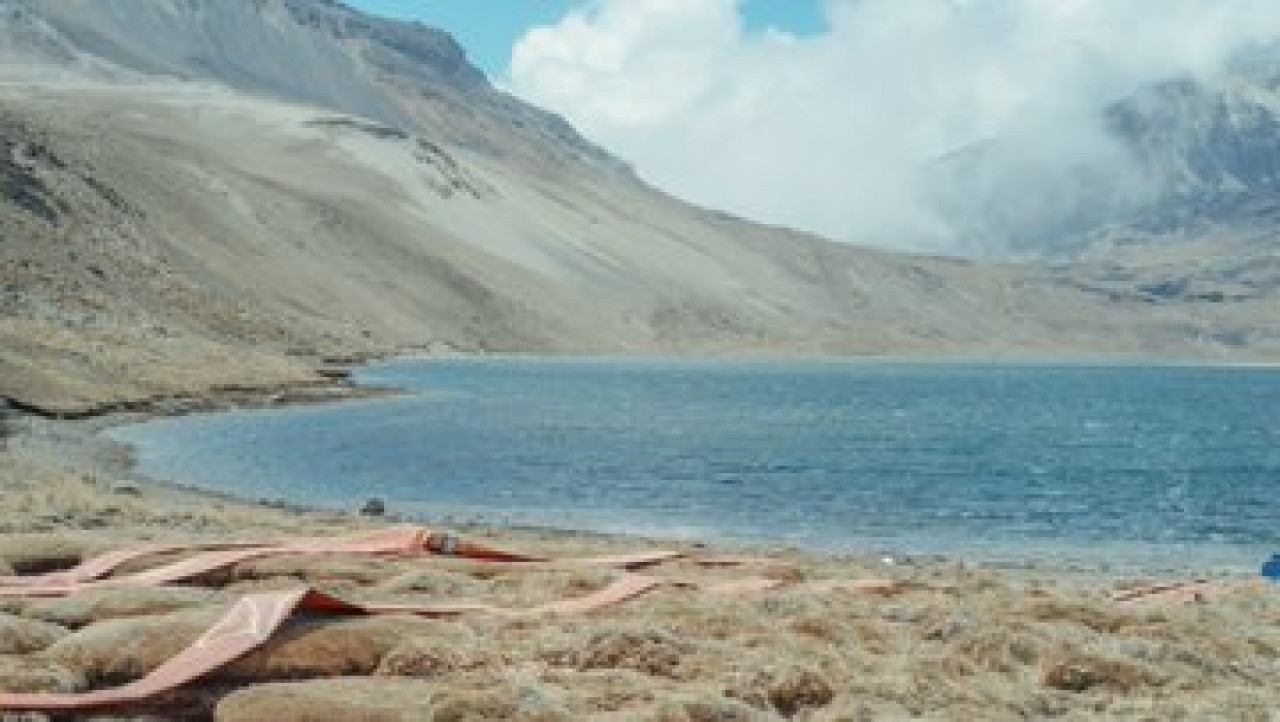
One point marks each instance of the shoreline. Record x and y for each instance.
(80, 445)
(333, 376)
(960, 640)
(1051, 558)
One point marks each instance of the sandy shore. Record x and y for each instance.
(958, 642)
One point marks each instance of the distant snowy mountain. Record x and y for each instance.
(1176, 156)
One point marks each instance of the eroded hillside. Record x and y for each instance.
(170, 224)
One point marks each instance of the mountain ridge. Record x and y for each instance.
(210, 225)
(308, 51)
(1168, 156)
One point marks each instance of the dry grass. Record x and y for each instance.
(960, 645)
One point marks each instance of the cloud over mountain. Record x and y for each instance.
(840, 132)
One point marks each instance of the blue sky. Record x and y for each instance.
(489, 28)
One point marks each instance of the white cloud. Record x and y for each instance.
(831, 132)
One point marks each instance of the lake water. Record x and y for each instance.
(1152, 466)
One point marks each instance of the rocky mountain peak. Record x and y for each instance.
(1168, 156)
(399, 47)
(313, 52)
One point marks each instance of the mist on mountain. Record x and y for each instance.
(982, 127)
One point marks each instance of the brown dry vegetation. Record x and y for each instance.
(964, 644)
(174, 243)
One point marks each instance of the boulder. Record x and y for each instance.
(21, 636)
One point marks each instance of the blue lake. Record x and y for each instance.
(1158, 466)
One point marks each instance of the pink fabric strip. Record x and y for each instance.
(254, 619)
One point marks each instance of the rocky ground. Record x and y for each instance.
(960, 643)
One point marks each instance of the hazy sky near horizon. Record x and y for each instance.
(827, 114)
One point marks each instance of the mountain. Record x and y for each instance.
(1176, 199)
(1210, 147)
(1174, 156)
(205, 194)
(314, 52)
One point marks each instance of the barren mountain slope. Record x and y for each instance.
(317, 52)
(166, 240)
(160, 236)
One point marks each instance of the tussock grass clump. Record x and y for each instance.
(438, 656)
(99, 605)
(35, 674)
(786, 688)
(43, 552)
(434, 582)
(650, 650)
(1075, 672)
(706, 709)
(23, 636)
